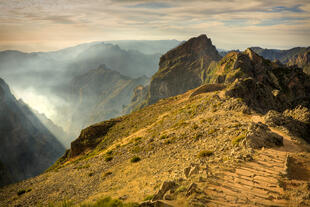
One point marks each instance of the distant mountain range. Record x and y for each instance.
(299, 56)
(56, 76)
(27, 147)
(100, 94)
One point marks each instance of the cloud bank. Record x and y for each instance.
(35, 25)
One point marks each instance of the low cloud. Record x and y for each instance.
(77, 20)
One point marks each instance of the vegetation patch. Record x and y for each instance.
(82, 167)
(135, 159)
(237, 139)
(108, 158)
(180, 189)
(110, 152)
(163, 136)
(23, 191)
(106, 174)
(211, 131)
(148, 197)
(205, 153)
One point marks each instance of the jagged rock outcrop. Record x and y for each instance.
(91, 136)
(262, 84)
(180, 68)
(27, 148)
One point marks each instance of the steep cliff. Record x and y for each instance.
(27, 148)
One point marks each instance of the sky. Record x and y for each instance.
(44, 25)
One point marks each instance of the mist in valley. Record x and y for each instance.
(72, 88)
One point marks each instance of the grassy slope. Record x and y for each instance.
(169, 136)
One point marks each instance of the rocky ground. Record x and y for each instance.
(196, 149)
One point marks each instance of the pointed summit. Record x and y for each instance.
(180, 68)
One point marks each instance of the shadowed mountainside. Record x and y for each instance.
(27, 148)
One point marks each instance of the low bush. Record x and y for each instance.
(135, 159)
(205, 153)
(237, 139)
(108, 158)
(148, 197)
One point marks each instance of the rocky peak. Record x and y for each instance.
(180, 68)
(194, 48)
(239, 65)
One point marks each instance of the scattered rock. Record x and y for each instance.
(193, 169)
(300, 113)
(259, 135)
(169, 197)
(186, 171)
(124, 197)
(192, 189)
(166, 186)
(274, 118)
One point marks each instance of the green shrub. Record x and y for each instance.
(138, 139)
(211, 131)
(110, 152)
(205, 153)
(108, 158)
(180, 189)
(135, 159)
(163, 136)
(148, 197)
(83, 167)
(237, 139)
(106, 174)
(23, 191)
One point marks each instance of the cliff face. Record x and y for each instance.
(180, 69)
(27, 148)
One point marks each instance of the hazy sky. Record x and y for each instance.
(40, 25)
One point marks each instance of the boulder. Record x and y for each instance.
(166, 186)
(259, 135)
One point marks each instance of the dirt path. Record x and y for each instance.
(255, 183)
